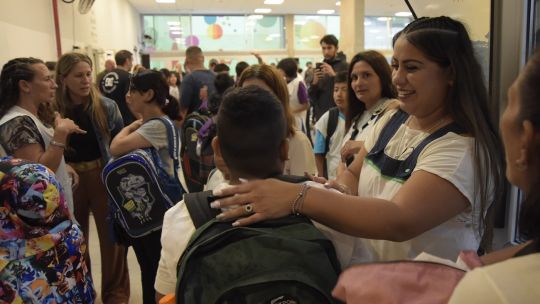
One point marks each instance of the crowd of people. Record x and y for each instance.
(399, 157)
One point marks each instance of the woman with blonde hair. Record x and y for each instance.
(78, 99)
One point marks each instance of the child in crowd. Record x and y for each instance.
(223, 82)
(148, 96)
(327, 146)
(298, 95)
(246, 115)
(42, 246)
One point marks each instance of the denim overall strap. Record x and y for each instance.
(401, 170)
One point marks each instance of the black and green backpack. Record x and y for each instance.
(275, 262)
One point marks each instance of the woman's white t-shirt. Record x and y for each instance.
(367, 119)
(449, 157)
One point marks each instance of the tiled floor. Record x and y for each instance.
(134, 272)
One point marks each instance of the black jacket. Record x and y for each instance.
(321, 94)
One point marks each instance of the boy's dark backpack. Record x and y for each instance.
(279, 261)
(191, 161)
(140, 189)
(204, 148)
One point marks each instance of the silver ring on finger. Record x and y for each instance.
(248, 208)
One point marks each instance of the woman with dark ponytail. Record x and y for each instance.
(29, 129)
(148, 97)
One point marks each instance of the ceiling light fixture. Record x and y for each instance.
(165, 1)
(262, 10)
(403, 14)
(255, 17)
(325, 11)
(173, 23)
(338, 3)
(383, 18)
(273, 2)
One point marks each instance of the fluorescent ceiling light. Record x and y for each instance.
(176, 33)
(166, 1)
(175, 28)
(273, 2)
(325, 11)
(383, 18)
(262, 10)
(367, 23)
(299, 22)
(403, 14)
(255, 17)
(173, 22)
(338, 3)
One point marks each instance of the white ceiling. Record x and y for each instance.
(307, 7)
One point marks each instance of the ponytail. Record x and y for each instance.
(171, 107)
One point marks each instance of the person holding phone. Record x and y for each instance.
(321, 88)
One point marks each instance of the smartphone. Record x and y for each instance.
(318, 65)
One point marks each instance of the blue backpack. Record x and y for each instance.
(139, 188)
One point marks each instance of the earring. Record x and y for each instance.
(521, 163)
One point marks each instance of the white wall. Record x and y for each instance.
(27, 28)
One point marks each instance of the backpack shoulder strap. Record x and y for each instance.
(333, 117)
(198, 205)
(173, 142)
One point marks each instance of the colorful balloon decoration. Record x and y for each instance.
(192, 40)
(267, 21)
(215, 31)
(313, 31)
(210, 19)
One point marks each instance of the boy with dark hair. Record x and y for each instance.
(251, 139)
(298, 95)
(221, 68)
(239, 68)
(330, 129)
(252, 142)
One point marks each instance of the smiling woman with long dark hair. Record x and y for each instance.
(429, 172)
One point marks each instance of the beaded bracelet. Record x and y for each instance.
(298, 202)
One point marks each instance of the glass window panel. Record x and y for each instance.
(212, 33)
(379, 31)
(308, 30)
(476, 14)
